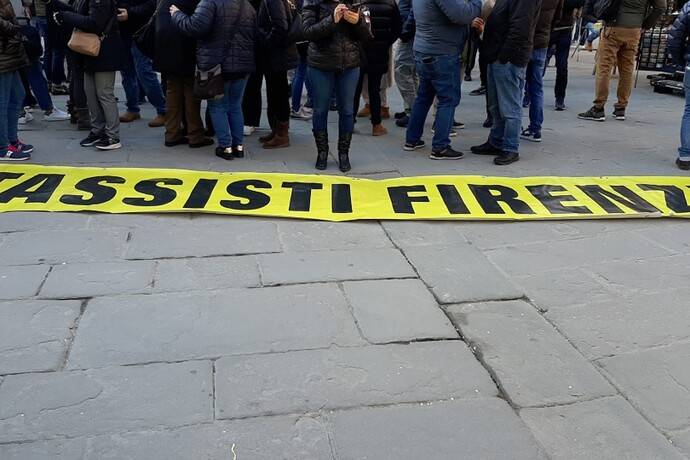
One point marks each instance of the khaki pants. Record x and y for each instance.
(618, 45)
(179, 101)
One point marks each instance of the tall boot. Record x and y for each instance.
(83, 119)
(269, 136)
(281, 138)
(321, 138)
(72, 113)
(344, 151)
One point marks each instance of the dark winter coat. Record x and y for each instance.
(12, 54)
(550, 11)
(678, 38)
(223, 36)
(274, 52)
(333, 47)
(94, 16)
(509, 32)
(138, 11)
(567, 17)
(385, 27)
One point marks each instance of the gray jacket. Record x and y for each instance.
(442, 25)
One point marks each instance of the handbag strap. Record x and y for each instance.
(109, 26)
(159, 3)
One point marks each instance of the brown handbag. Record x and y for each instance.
(86, 43)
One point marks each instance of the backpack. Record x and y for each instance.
(606, 10)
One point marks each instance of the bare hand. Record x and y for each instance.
(478, 23)
(338, 13)
(173, 10)
(122, 15)
(351, 16)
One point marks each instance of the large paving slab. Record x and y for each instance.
(681, 440)
(460, 273)
(234, 236)
(41, 406)
(261, 439)
(347, 377)
(624, 324)
(657, 382)
(179, 275)
(422, 233)
(633, 277)
(21, 281)
(533, 363)
(318, 266)
(397, 311)
(296, 235)
(33, 221)
(471, 429)
(179, 326)
(81, 280)
(34, 334)
(602, 428)
(56, 247)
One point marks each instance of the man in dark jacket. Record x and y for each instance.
(138, 68)
(618, 47)
(508, 42)
(559, 46)
(550, 9)
(679, 50)
(441, 33)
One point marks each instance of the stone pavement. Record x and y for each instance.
(215, 337)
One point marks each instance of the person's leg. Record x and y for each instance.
(14, 107)
(6, 79)
(235, 111)
(251, 104)
(562, 52)
(174, 108)
(684, 149)
(510, 81)
(218, 110)
(494, 73)
(606, 60)
(105, 89)
(536, 90)
(39, 86)
(58, 64)
(345, 86)
(29, 99)
(405, 74)
(148, 79)
(593, 35)
(375, 103)
(130, 83)
(277, 95)
(323, 85)
(473, 44)
(626, 56)
(446, 82)
(298, 83)
(192, 110)
(358, 89)
(95, 109)
(365, 89)
(426, 93)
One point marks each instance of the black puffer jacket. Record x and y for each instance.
(94, 16)
(12, 54)
(333, 47)
(225, 31)
(274, 53)
(678, 44)
(386, 25)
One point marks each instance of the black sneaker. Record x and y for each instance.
(411, 146)
(458, 124)
(488, 123)
(683, 164)
(506, 158)
(559, 106)
(530, 135)
(108, 144)
(181, 141)
(91, 140)
(468, 77)
(479, 91)
(446, 154)
(619, 114)
(238, 151)
(402, 121)
(399, 115)
(593, 114)
(224, 152)
(486, 149)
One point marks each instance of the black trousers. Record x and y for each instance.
(277, 98)
(374, 82)
(76, 84)
(472, 49)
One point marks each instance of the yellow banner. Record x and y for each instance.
(334, 198)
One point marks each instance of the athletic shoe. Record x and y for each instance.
(529, 135)
(412, 146)
(108, 144)
(486, 149)
(458, 124)
(683, 164)
(238, 151)
(468, 77)
(59, 90)
(224, 152)
(506, 158)
(593, 114)
(25, 118)
(91, 140)
(402, 121)
(451, 133)
(19, 146)
(488, 123)
(559, 106)
(399, 115)
(479, 91)
(301, 114)
(446, 154)
(55, 114)
(249, 130)
(13, 155)
(619, 114)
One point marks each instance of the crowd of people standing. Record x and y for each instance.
(337, 52)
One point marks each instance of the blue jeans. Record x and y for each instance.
(684, 149)
(593, 33)
(344, 84)
(39, 86)
(535, 82)
(11, 99)
(439, 77)
(53, 56)
(226, 114)
(301, 79)
(505, 83)
(139, 70)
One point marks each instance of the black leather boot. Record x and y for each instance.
(321, 138)
(344, 151)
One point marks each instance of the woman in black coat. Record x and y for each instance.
(386, 25)
(97, 17)
(335, 32)
(275, 55)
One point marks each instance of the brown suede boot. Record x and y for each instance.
(269, 136)
(378, 130)
(281, 138)
(364, 112)
(129, 117)
(157, 122)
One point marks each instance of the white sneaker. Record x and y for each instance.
(249, 130)
(26, 118)
(301, 114)
(55, 115)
